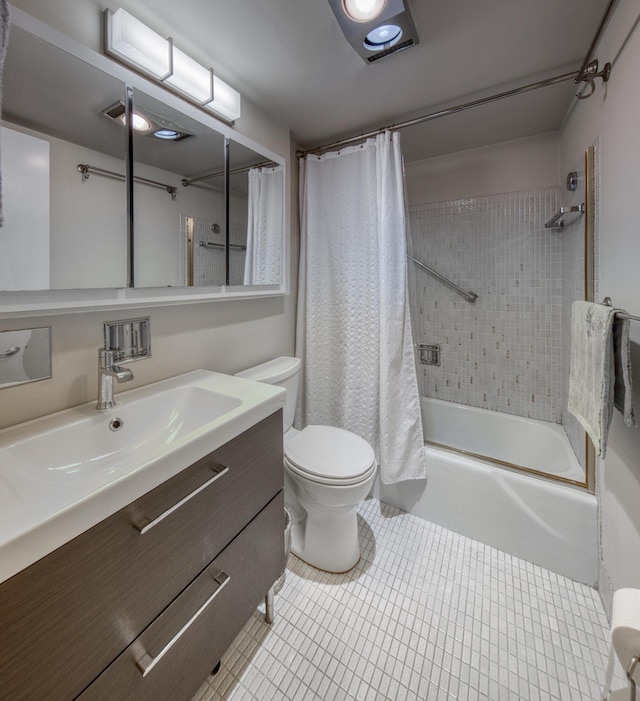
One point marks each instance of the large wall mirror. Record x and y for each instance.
(256, 223)
(208, 205)
(61, 230)
(179, 212)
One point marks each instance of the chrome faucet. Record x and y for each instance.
(107, 371)
(124, 341)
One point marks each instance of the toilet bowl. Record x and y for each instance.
(328, 472)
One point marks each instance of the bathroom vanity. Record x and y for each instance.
(143, 604)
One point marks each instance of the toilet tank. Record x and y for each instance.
(283, 372)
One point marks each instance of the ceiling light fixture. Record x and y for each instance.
(376, 29)
(139, 122)
(133, 43)
(383, 37)
(167, 134)
(363, 10)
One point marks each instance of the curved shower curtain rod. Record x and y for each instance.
(587, 73)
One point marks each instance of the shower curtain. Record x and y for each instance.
(353, 328)
(263, 259)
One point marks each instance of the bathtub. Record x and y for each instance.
(513, 441)
(549, 523)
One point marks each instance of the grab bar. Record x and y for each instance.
(469, 296)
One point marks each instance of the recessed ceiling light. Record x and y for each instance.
(139, 122)
(167, 134)
(363, 10)
(384, 36)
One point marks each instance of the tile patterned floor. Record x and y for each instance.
(426, 614)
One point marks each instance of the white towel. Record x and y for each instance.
(591, 378)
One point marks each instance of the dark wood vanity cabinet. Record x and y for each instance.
(144, 604)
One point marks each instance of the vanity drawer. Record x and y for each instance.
(66, 618)
(180, 648)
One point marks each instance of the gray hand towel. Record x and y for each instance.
(591, 377)
(623, 384)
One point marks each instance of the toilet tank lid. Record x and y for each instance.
(272, 371)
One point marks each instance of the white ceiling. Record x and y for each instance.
(290, 58)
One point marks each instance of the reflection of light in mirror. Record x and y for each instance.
(166, 134)
(139, 122)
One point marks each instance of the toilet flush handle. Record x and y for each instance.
(10, 352)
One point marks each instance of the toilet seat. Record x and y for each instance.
(330, 455)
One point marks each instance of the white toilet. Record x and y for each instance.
(328, 472)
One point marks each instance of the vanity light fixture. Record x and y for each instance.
(190, 78)
(133, 43)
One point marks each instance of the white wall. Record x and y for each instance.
(612, 117)
(510, 166)
(224, 336)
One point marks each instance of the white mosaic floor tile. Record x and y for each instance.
(427, 614)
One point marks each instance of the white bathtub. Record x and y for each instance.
(528, 443)
(551, 524)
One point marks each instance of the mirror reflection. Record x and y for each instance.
(62, 229)
(178, 211)
(256, 218)
(25, 356)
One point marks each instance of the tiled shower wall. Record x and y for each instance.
(505, 351)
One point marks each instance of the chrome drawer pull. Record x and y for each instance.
(146, 663)
(222, 471)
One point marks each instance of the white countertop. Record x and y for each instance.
(44, 503)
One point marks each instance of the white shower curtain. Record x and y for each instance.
(353, 328)
(263, 259)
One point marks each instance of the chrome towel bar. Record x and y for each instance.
(621, 315)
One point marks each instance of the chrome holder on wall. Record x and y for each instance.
(557, 220)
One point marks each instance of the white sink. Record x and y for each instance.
(63, 473)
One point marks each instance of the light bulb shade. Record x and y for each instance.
(190, 78)
(363, 10)
(226, 100)
(134, 43)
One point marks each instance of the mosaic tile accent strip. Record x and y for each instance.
(426, 614)
(504, 352)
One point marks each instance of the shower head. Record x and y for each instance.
(557, 220)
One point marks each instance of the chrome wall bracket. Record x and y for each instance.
(589, 74)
